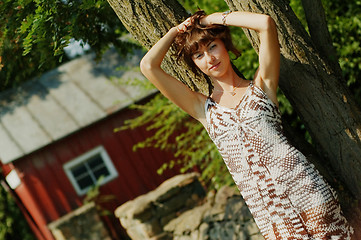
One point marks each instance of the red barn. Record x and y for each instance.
(57, 138)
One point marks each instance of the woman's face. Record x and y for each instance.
(212, 59)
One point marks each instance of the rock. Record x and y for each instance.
(187, 222)
(162, 236)
(245, 214)
(251, 228)
(234, 207)
(166, 219)
(203, 231)
(224, 193)
(256, 237)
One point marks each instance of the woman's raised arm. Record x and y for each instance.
(188, 100)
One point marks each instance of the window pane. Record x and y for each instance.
(103, 171)
(97, 166)
(78, 170)
(82, 176)
(85, 182)
(95, 161)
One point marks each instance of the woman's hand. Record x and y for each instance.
(181, 28)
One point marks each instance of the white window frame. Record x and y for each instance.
(83, 158)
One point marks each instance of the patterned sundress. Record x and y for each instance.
(286, 195)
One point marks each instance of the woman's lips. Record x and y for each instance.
(214, 66)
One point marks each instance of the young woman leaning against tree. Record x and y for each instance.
(286, 195)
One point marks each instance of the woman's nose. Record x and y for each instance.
(210, 57)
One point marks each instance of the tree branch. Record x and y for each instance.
(317, 25)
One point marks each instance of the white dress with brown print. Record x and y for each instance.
(286, 195)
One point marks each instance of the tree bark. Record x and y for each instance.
(316, 92)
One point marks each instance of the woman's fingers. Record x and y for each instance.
(183, 26)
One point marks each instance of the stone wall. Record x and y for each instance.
(83, 223)
(179, 209)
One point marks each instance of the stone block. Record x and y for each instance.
(187, 222)
(173, 186)
(172, 205)
(162, 236)
(83, 223)
(152, 227)
(166, 219)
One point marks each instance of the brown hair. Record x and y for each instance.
(197, 35)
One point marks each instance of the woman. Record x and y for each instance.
(285, 194)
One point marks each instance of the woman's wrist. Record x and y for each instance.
(173, 32)
(216, 18)
(224, 17)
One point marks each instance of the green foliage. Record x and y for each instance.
(33, 34)
(206, 5)
(12, 223)
(94, 195)
(176, 131)
(344, 25)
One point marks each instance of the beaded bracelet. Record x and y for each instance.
(224, 16)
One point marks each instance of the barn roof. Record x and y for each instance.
(65, 100)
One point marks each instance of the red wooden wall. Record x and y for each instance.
(47, 193)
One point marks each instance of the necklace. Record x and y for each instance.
(233, 92)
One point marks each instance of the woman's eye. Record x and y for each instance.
(198, 55)
(213, 46)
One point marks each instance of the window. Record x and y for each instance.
(86, 170)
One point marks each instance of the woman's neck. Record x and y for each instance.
(226, 82)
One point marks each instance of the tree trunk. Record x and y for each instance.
(316, 91)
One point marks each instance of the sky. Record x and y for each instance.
(76, 48)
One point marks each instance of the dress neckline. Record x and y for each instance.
(240, 101)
